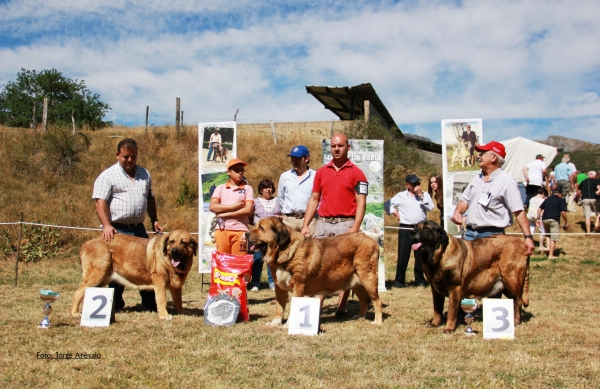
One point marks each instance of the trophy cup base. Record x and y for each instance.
(470, 333)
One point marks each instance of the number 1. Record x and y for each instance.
(306, 310)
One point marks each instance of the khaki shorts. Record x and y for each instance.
(325, 230)
(589, 207)
(552, 226)
(297, 223)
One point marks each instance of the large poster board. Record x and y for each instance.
(368, 156)
(213, 172)
(459, 162)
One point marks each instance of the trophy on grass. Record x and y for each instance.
(48, 297)
(469, 306)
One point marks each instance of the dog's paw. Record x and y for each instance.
(448, 331)
(274, 323)
(376, 323)
(76, 315)
(166, 317)
(431, 324)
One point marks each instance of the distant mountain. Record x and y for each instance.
(568, 145)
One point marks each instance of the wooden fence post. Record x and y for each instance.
(274, 132)
(33, 119)
(147, 110)
(45, 115)
(177, 114)
(73, 120)
(18, 249)
(236, 112)
(182, 125)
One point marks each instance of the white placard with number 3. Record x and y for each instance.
(97, 307)
(304, 316)
(498, 319)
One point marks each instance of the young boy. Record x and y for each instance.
(232, 203)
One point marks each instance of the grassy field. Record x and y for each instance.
(557, 346)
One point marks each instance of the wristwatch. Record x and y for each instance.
(528, 236)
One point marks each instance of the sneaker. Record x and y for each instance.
(398, 284)
(272, 286)
(341, 315)
(254, 289)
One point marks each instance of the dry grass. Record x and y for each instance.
(558, 345)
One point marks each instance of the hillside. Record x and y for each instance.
(585, 155)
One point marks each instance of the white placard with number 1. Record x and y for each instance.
(97, 307)
(498, 319)
(304, 316)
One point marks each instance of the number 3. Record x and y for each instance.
(503, 313)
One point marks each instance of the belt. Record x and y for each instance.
(125, 226)
(297, 215)
(408, 225)
(487, 229)
(337, 219)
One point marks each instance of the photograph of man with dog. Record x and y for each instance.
(459, 138)
(217, 146)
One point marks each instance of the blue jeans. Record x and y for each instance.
(257, 266)
(148, 297)
(210, 150)
(472, 234)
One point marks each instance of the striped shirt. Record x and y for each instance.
(264, 208)
(127, 199)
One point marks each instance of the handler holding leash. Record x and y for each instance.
(123, 194)
(490, 198)
(341, 188)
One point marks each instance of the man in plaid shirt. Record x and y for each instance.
(123, 195)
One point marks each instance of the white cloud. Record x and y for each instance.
(427, 60)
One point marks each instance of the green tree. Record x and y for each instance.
(65, 96)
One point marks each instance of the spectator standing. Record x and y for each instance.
(340, 192)
(264, 206)
(549, 213)
(532, 215)
(534, 176)
(588, 190)
(123, 195)
(573, 185)
(232, 203)
(436, 191)
(550, 180)
(295, 188)
(564, 176)
(490, 198)
(410, 207)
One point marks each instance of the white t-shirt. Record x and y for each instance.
(536, 172)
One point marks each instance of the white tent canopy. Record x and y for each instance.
(521, 151)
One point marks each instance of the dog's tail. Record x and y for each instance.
(525, 296)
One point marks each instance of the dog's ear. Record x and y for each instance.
(283, 235)
(194, 245)
(165, 243)
(442, 237)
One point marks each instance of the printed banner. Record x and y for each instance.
(368, 156)
(459, 162)
(217, 144)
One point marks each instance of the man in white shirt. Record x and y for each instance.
(295, 188)
(213, 142)
(534, 176)
(410, 207)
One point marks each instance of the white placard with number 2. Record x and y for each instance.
(304, 316)
(97, 307)
(498, 319)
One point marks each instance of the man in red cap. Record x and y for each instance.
(233, 203)
(490, 198)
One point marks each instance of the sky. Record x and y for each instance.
(527, 68)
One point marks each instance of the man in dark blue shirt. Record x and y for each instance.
(550, 211)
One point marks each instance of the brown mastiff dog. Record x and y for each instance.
(308, 266)
(158, 264)
(460, 269)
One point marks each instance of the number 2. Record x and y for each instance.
(503, 313)
(103, 302)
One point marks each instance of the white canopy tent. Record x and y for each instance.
(521, 151)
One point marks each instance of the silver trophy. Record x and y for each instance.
(469, 306)
(48, 297)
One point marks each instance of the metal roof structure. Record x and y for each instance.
(348, 102)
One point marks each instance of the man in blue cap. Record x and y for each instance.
(295, 188)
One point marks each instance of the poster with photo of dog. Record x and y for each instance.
(454, 186)
(459, 138)
(212, 168)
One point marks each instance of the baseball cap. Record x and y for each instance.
(299, 151)
(413, 179)
(539, 156)
(235, 161)
(494, 146)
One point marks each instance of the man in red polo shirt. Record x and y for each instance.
(341, 188)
